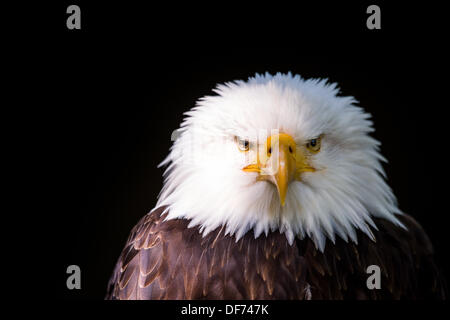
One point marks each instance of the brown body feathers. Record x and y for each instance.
(168, 260)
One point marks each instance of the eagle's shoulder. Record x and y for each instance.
(413, 246)
(404, 257)
(165, 259)
(144, 259)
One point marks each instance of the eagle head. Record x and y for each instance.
(278, 154)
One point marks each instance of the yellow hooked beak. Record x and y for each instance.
(280, 162)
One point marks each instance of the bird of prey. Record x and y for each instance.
(274, 189)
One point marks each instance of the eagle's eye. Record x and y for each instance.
(313, 145)
(243, 144)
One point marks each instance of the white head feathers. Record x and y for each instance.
(205, 183)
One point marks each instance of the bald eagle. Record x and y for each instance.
(274, 189)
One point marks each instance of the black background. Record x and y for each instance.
(109, 96)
